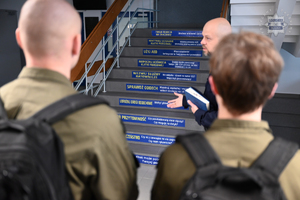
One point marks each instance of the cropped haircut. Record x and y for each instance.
(245, 68)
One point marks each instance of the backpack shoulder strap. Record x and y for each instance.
(62, 108)
(199, 149)
(276, 156)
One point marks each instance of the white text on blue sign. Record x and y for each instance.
(152, 120)
(169, 64)
(155, 88)
(166, 76)
(166, 52)
(150, 139)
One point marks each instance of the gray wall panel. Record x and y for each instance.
(10, 55)
(187, 14)
(283, 114)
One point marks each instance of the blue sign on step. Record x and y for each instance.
(167, 52)
(150, 160)
(151, 139)
(152, 120)
(156, 88)
(169, 42)
(165, 76)
(169, 33)
(169, 64)
(146, 103)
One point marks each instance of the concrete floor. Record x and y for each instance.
(146, 176)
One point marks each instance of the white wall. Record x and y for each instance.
(289, 81)
(251, 15)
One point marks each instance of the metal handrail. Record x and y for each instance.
(116, 60)
(103, 64)
(99, 52)
(113, 64)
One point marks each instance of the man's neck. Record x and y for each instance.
(223, 113)
(49, 64)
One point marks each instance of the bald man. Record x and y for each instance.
(99, 162)
(213, 31)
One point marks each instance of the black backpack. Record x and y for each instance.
(32, 161)
(213, 181)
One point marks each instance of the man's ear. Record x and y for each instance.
(273, 91)
(212, 85)
(76, 45)
(18, 38)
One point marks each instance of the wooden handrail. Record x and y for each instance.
(96, 66)
(95, 37)
(224, 8)
(221, 15)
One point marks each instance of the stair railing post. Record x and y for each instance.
(104, 61)
(86, 82)
(129, 44)
(118, 44)
(143, 10)
(156, 13)
(149, 15)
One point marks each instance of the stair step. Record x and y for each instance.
(149, 33)
(145, 101)
(149, 139)
(162, 97)
(157, 131)
(146, 154)
(146, 86)
(153, 135)
(162, 52)
(146, 149)
(162, 74)
(165, 42)
(158, 118)
(157, 63)
(174, 63)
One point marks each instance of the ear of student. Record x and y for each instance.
(76, 45)
(212, 85)
(273, 91)
(18, 38)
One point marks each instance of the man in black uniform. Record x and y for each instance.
(213, 32)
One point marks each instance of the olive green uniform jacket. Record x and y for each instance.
(238, 144)
(98, 158)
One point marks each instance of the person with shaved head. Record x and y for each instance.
(99, 162)
(213, 31)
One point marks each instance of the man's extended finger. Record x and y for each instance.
(171, 105)
(172, 101)
(177, 94)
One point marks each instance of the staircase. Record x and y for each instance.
(156, 64)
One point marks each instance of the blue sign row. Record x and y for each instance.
(165, 76)
(167, 52)
(145, 103)
(155, 88)
(169, 33)
(150, 160)
(152, 120)
(158, 42)
(169, 64)
(150, 139)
